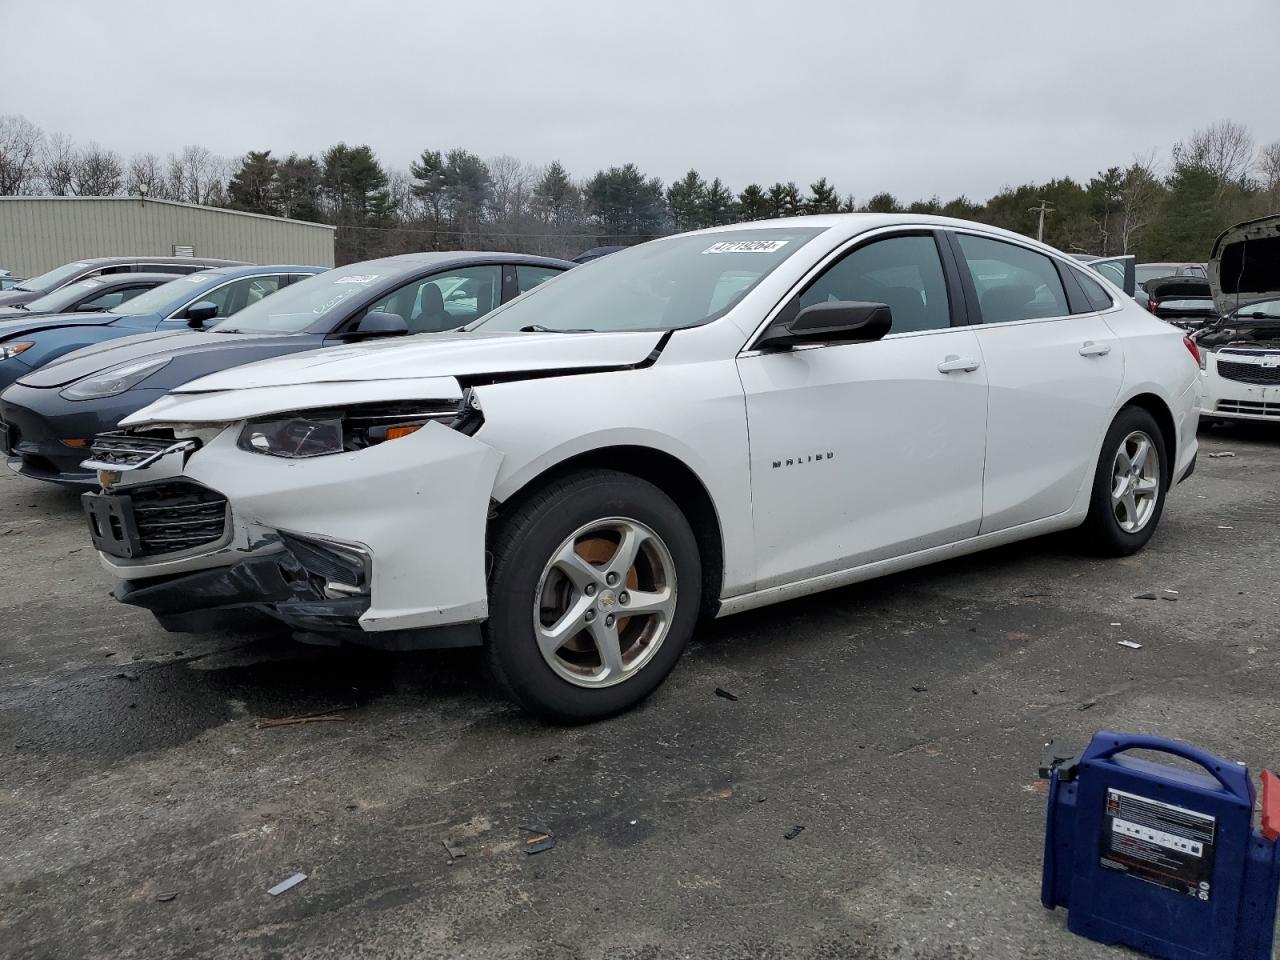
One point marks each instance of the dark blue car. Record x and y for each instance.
(49, 416)
(192, 301)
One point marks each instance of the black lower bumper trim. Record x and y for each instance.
(276, 588)
(1191, 468)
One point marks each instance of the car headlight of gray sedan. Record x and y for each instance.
(114, 380)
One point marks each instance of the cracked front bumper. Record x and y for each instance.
(414, 510)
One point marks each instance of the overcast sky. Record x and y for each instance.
(909, 96)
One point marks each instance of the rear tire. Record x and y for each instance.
(1129, 486)
(594, 593)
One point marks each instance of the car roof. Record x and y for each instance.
(253, 269)
(453, 258)
(107, 261)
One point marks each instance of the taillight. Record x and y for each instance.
(1151, 304)
(1194, 351)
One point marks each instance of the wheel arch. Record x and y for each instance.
(1163, 415)
(669, 474)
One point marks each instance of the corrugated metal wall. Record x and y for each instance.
(40, 233)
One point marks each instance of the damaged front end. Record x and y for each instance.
(363, 522)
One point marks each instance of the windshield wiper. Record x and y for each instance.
(539, 328)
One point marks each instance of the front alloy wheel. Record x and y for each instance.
(604, 602)
(594, 592)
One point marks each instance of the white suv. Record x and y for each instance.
(699, 425)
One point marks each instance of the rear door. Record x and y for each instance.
(1054, 369)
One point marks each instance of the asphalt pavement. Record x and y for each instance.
(145, 813)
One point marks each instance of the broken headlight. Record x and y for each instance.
(318, 433)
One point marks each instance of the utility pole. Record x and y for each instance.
(1044, 205)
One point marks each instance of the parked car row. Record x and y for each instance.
(447, 449)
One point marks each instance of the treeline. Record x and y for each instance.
(1170, 208)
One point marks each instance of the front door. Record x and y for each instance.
(865, 451)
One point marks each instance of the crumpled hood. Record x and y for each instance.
(438, 355)
(233, 348)
(428, 366)
(18, 327)
(1245, 264)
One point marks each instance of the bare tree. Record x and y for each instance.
(98, 172)
(21, 142)
(1224, 149)
(195, 175)
(1268, 167)
(1138, 195)
(58, 165)
(146, 177)
(511, 185)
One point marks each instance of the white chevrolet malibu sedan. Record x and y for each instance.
(696, 426)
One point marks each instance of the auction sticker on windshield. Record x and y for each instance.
(747, 246)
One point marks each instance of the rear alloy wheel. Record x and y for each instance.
(1129, 486)
(594, 593)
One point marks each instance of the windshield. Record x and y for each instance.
(162, 299)
(1153, 271)
(298, 306)
(1266, 310)
(666, 284)
(64, 297)
(54, 278)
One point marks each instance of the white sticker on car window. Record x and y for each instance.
(747, 246)
(358, 278)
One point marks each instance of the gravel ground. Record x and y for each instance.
(899, 722)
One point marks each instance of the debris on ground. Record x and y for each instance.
(725, 694)
(793, 832)
(126, 676)
(1167, 597)
(1088, 705)
(1016, 635)
(725, 794)
(327, 717)
(1130, 644)
(1167, 590)
(1145, 596)
(1219, 456)
(285, 885)
(1116, 624)
(166, 897)
(542, 838)
(1221, 527)
(920, 688)
(455, 853)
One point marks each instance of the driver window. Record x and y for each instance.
(903, 272)
(444, 301)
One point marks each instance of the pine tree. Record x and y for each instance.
(753, 204)
(822, 197)
(255, 187)
(685, 202)
(717, 206)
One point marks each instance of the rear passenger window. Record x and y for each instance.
(903, 272)
(529, 277)
(1013, 283)
(1094, 291)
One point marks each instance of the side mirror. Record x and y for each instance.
(379, 324)
(200, 313)
(838, 321)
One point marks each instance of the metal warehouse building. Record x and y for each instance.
(40, 233)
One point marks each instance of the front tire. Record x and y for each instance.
(594, 593)
(1129, 486)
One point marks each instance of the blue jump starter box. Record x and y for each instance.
(1160, 858)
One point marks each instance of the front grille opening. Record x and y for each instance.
(1248, 372)
(178, 516)
(124, 449)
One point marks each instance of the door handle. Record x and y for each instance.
(957, 364)
(1091, 349)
